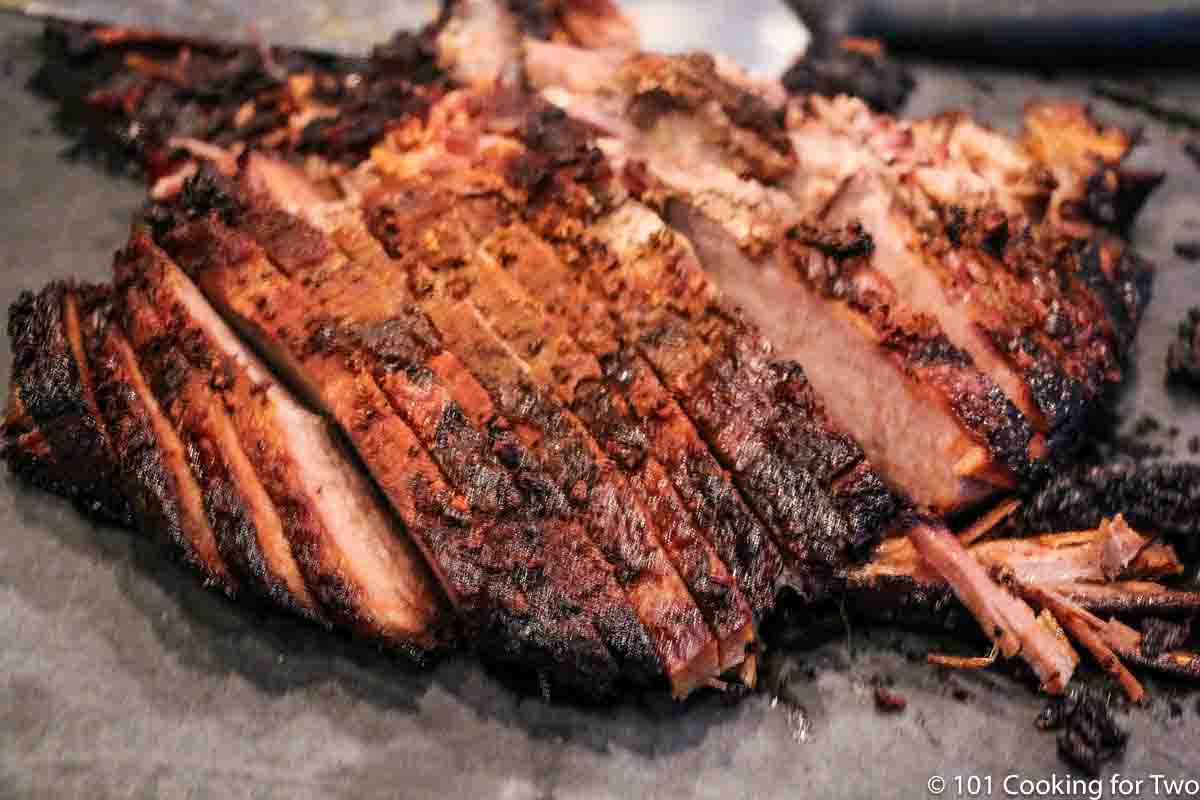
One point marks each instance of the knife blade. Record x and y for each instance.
(765, 36)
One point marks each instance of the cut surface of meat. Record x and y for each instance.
(370, 311)
(152, 461)
(442, 260)
(806, 479)
(476, 564)
(245, 520)
(332, 517)
(655, 422)
(1004, 618)
(1014, 368)
(561, 366)
(863, 358)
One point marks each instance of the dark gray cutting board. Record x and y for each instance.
(121, 677)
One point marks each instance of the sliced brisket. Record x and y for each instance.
(440, 260)
(655, 421)
(248, 527)
(757, 413)
(475, 563)
(332, 520)
(54, 432)
(560, 365)
(153, 463)
(369, 313)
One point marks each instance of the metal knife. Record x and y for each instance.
(765, 36)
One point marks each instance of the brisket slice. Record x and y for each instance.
(807, 481)
(971, 204)
(366, 311)
(737, 226)
(54, 433)
(335, 524)
(474, 442)
(481, 568)
(1003, 294)
(440, 260)
(948, 438)
(560, 365)
(757, 412)
(152, 461)
(247, 525)
(655, 421)
(562, 454)
(1031, 319)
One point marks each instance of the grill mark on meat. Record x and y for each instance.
(474, 562)
(52, 402)
(248, 529)
(618, 519)
(376, 317)
(704, 486)
(153, 462)
(319, 494)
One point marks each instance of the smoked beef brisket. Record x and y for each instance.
(515, 335)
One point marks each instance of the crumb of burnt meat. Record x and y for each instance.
(1090, 735)
(961, 694)
(845, 67)
(1183, 355)
(1192, 148)
(1146, 425)
(1188, 250)
(1173, 432)
(889, 701)
(1194, 445)
(1175, 710)
(1160, 636)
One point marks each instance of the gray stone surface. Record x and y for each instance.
(120, 677)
